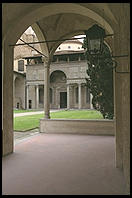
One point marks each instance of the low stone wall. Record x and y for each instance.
(91, 127)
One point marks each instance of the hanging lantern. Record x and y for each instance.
(94, 39)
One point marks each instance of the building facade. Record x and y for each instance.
(67, 77)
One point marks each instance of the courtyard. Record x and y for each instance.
(70, 157)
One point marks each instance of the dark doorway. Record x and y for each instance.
(17, 105)
(30, 104)
(63, 99)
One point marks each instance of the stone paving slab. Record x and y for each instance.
(63, 164)
(20, 136)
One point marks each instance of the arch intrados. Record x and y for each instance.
(52, 9)
(73, 8)
(53, 72)
(108, 45)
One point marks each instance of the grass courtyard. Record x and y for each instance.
(29, 122)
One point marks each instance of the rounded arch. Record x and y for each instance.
(40, 37)
(43, 11)
(108, 43)
(58, 76)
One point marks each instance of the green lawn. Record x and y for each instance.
(30, 122)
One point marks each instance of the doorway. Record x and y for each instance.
(63, 99)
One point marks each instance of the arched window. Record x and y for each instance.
(21, 65)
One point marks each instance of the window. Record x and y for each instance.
(62, 57)
(73, 57)
(21, 65)
(69, 47)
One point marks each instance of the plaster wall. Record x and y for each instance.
(32, 95)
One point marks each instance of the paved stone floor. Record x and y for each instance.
(62, 164)
(22, 136)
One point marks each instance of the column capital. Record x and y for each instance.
(47, 62)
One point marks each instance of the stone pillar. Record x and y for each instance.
(7, 98)
(68, 96)
(37, 96)
(14, 96)
(27, 99)
(122, 93)
(46, 90)
(79, 96)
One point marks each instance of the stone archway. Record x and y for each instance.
(115, 18)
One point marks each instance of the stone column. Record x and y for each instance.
(122, 93)
(14, 95)
(27, 101)
(7, 98)
(37, 96)
(68, 96)
(46, 90)
(79, 96)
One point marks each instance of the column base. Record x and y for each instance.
(46, 117)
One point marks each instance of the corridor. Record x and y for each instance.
(62, 164)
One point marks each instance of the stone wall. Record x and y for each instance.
(91, 127)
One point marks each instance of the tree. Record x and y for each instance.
(100, 81)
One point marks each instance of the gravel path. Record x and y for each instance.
(33, 113)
